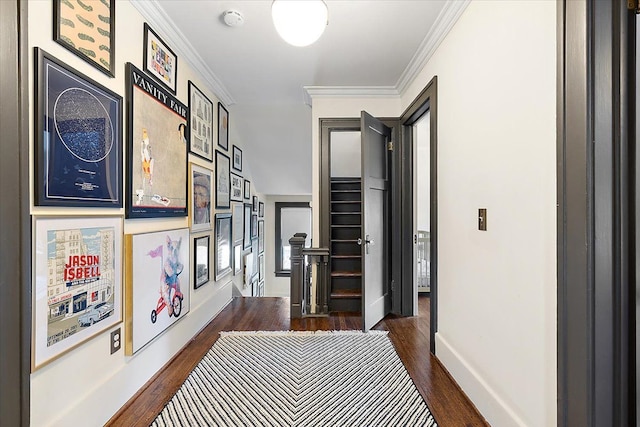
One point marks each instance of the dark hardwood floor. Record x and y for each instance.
(410, 336)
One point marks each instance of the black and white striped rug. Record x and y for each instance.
(323, 378)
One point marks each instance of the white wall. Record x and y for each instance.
(275, 286)
(422, 156)
(496, 74)
(497, 150)
(345, 154)
(87, 383)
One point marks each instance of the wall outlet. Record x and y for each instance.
(116, 340)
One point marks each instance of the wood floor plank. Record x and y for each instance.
(410, 336)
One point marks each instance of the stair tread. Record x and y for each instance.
(346, 256)
(345, 240)
(345, 225)
(346, 293)
(345, 213)
(346, 274)
(346, 201)
(345, 191)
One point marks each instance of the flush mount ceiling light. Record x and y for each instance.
(299, 22)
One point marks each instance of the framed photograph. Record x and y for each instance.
(200, 261)
(223, 184)
(261, 267)
(223, 127)
(237, 258)
(201, 185)
(260, 236)
(261, 210)
(157, 284)
(159, 60)
(255, 289)
(246, 241)
(261, 288)
(87, 28)
(200, 123)
(254, 226)
(238, 223)
(247, 189)
(156, 150)
(249, 270)
(237, 159)
(222, 250)
(236, 187)
(78, 140)
(77, 287)
(255, 203)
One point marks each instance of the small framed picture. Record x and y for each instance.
(237, 159)
(201, 195)
(238, 223)
(223, 127)
(260, 236)
(223, 185)
(255, 203)
(200, 261)
(247, 189)
(261, 210)
(254, 226)
(260, 267)
(87, 30)
(159, 60)
(200, 123)
(222, 249)
(246, 241)
(237, 259)
(236, 187)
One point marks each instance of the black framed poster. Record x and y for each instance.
(157, 149)
(78, 138)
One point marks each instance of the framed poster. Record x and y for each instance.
(246, 241)
(255, 203)
(200, 261)
(238, 223)
(254, 226)
(260, 236)
(223, 127)
(236, 187)
(159, 60)
(87, 28)
(78, 140)
(237, 258)
(247, 189)
(261, 210)
(223, 184)
(222, 249)
(156, 150)
(77, 283)
(249, 268)
(200, 123)
(157, 284)
(261, 267)
(237, 159)
(201, 185)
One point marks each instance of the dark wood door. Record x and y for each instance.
(376, 296)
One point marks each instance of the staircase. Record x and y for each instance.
(346, 256)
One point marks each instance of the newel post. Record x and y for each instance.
(297, 274)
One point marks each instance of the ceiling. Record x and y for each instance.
(261, 79)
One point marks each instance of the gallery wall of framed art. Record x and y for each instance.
(124, 141)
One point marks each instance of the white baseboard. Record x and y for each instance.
(491, 406)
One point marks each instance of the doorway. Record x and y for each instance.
(421, 208)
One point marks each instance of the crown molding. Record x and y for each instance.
(448, 16)
(153, 12)
(352, 91)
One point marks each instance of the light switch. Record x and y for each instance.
(482, 219)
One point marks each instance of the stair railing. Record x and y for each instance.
(309, 279)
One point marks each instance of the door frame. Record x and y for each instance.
(427, 100)
(595, 193)
(15, 259)
(327, 125)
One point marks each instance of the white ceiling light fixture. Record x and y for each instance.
(299, 22)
